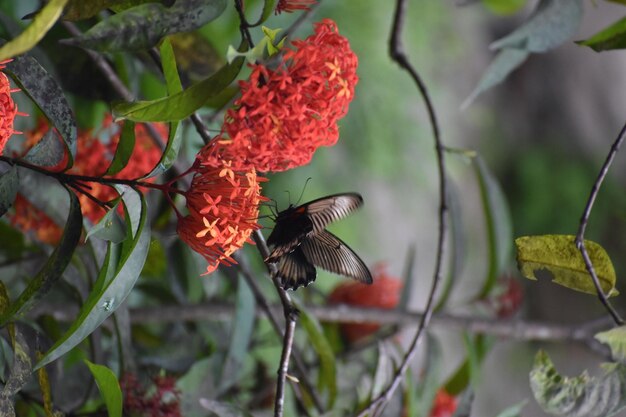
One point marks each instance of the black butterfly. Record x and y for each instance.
(299, 242)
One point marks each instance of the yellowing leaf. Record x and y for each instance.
(558, 254)
(616, 340)
(42, 22)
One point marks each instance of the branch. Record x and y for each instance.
(580, 242)
(215, 311)
(397, 54)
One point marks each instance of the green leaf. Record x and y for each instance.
(241, 334)
(268, 8)
(124, 149)
(498, 223)
(181, 105)
(170, 71)
(477, 349)
(53, 269)
(612, 37)
(46, 392)
(142, 27)
(317, 338)
(504, 6)
(81, 9)
(429, 377)
(48, 152)
(616, 340)
(116, 279)
(109, 388)
(110, 227)
(551, 24)
(384, 371)
(559, 255)
(513, 411)
(21, 371)
(9, 182)
(44, 90)
(581, 396)
(504, 63)
(40, 25)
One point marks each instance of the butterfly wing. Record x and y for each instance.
(326, 210)
(296, 223)
(328, 252)
(294, 270)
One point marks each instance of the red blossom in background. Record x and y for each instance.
(285, 114)
(163, 402)
(28, 218)
(444, 404)
(290, 6)
(507, 297)
(384, 292)
(223, 207)
(8, 109)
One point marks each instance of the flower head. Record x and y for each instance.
(285, 114)
(444, 404)
(8, 109)
(223, 207)
(383, 293)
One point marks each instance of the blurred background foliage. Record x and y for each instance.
(543, 133)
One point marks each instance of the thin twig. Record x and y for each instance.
(214, 311)
(271, 314)
(584, 220)
(398, 55)
(290, 318)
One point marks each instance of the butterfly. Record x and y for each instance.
(300, 242)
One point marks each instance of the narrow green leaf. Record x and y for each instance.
(503, 64)
(53, 269)
(109, 228)
(81, 9)
(612, 37)
(581, 396)
(116, 278)
(498, 223)
(181, 105)
(317, 338)
(170, 70)
(48, 152)
(616, 340)
(9, 182)
(268, 8)
(513, 411)
(40, 25)
(241, 334)
(109, 388)
(21, 371)
(407, 279)
(124, 149)
(504, 6)
(384, 371)
(429, 379)
(550, 25)
(44, 386)
(559, 255)
(460, 380)
(44, 90)
(142, 27)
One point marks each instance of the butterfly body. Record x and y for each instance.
(300, 242)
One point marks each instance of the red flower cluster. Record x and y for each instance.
(163, 402)
(223, 207)
(444, 404)
(8, 109)
(507, 297)
(93, 158)
(285, 114)
(28, 218)
(384, 293)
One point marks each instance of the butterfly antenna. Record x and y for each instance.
(303, 189)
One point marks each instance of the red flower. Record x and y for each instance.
(383, 293)
(28, 218)
(8, 109)
(223, 209)
(289, 6)
(285, 114)
(163, 402)
(507, 298)
(444, 404)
